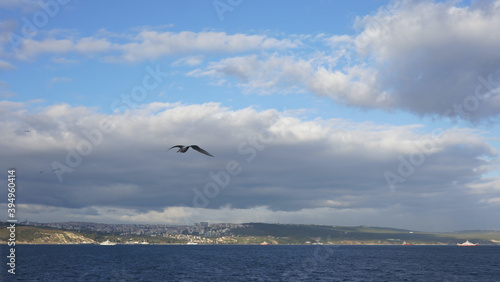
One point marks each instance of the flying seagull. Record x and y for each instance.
(183, 149)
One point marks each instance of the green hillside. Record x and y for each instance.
(298, 234)
(255, 233)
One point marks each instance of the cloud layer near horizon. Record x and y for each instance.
(265, 161)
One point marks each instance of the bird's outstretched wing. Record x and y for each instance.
(201, 150)
(176, 146)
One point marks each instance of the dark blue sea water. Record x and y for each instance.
(252, 263)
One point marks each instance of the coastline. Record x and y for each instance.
(244, 234)
(200, 244)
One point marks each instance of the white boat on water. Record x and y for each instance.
(467, 244)
(108, 243)
(191, 243)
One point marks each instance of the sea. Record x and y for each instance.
(251, 263)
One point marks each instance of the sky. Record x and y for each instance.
(380, 113)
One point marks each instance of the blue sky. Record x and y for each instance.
(360, 89)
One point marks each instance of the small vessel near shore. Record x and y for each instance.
(264, 243)
(467, 244)
(107, 243)
(191, 243)
(406, 244)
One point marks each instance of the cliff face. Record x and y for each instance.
(61, 237)
(34, 235)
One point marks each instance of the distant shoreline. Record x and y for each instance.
(237, 234)
(184, 244)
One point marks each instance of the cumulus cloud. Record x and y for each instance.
(432, 56)
(355, 86)
(265, 74)
(435, 59)
(280, 166)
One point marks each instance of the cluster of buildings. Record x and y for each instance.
(202, 229)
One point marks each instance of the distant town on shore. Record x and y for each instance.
(232, 233)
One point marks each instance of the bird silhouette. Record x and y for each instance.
(183, 149)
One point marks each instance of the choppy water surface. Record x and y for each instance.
(253, 263)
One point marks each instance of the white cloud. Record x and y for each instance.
(30, 48)
(263, 75)
(426, 52)
(356, 86)
(149, 44)
(488, 186)
(152, 44)
(336, 40)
